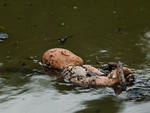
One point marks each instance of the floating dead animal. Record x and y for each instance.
(72, 69)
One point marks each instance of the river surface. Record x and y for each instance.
(100, 31)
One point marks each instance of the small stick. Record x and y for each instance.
(120, 73)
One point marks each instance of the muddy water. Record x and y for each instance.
(99, 30)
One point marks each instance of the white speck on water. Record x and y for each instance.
(62, 24)
(1, 64)
(36, 61)
(139, 44)
(114, 12)
(147, 34)
(75, 7)
(103, 51)
(8, 57)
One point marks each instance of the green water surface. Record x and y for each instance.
(100, 31)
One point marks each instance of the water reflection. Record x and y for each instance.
(45, 93)
(40, 92)
(106, 31)
(142, 107)
(145, 40)
(103, 105)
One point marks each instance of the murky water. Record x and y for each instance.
(100, 30)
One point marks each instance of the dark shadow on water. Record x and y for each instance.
(108, 104)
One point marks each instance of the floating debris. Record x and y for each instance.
(3, 36)
(62, 40)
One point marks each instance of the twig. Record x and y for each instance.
(121, 74)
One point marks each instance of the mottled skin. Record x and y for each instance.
(97, 80)
(92, 69)
(61, 59)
